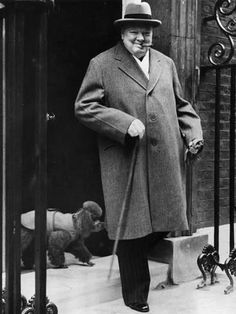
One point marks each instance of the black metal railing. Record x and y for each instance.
(221, 58)
(24, 55)
(1, 153)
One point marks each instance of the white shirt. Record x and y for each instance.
(144, 64)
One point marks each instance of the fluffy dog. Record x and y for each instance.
(65, 233)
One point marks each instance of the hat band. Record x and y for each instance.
(138, 16)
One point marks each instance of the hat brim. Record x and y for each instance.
(121, 22)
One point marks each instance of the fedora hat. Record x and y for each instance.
(137, 13)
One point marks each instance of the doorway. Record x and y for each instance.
(77, 31)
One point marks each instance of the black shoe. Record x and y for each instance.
(140, 307)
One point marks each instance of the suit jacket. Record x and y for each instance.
(114, 92)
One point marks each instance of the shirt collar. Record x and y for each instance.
(144, 64)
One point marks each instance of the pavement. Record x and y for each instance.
(184, 298)
(87, 290)
(77, 294)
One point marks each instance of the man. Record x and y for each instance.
(133, 91)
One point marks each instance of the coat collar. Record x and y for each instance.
(130, 67)
(155, 67)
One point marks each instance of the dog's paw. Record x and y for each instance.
(59, 266)
(85, 259)
(86, 264)
(52, 264)
(84, 256)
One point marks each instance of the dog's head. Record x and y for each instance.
(86, 219)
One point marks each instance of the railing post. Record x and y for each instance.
(41, 164)
(1, 141)
(217, 161)
(232, 157)
(26, 55)
(13, 150)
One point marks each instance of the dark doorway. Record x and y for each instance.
(77, 31)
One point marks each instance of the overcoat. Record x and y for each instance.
(114, 92)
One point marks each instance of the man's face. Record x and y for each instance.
(135, 39)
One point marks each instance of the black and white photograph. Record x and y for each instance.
(118, 163)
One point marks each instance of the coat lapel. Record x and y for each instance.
(155, 71)
(129, 66)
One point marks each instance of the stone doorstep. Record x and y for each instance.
(89, 285)
(181, 254)
(173, 258)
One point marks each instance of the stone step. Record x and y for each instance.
(181, 254)
(80, 286)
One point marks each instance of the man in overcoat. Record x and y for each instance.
(129, 91)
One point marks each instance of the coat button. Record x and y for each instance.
(153, 117)
(153, 142)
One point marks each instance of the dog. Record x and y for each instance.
(65, 233)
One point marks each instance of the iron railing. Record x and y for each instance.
(15, 14)
(221, 58)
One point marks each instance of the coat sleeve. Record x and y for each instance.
(93, 112)
(189, 121)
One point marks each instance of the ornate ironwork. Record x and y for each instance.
(4, 301)
(29, 307)
(207, 263)
(230, 269)
(209, 260)
(220, 55)
(225, 16)
(51, 308)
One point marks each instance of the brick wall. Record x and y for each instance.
(210, 33)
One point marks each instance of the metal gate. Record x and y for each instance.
(222, 61)
(23, 22)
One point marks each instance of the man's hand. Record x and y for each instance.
(136, 128)
(195, 146)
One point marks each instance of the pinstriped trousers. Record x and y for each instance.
(133, 265)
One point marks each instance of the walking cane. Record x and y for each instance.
(189, 193)
(125, 202)
(189, 186)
